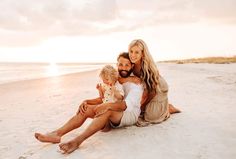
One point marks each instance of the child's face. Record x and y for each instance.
(107, 81)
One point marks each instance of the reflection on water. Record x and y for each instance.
(12, 72)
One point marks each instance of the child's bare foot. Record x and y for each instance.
(50, 137)
(70, 146)
(173, 110)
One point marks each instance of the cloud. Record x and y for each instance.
(36, 15)
(27, 22)
(43, 19)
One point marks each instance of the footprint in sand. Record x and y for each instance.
(222, 79)
(215, 78)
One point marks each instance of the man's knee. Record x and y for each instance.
(89, 113)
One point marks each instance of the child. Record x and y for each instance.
(110, 90)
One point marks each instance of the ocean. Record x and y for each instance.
(12, 72)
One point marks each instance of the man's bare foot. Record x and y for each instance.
(173, 110)
(69, 147)
(50, 137)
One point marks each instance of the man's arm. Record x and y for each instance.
(118, 96)
(118, 91)
(83, 106)
(117, 106)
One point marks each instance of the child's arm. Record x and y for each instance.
(94, 101)
(100, 91)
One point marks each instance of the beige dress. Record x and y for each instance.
(157, 110)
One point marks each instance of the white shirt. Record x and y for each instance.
(133, 96)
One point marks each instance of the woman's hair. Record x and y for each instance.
(109, 71)
(149, 71)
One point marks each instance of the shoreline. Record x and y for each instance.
(49, 77)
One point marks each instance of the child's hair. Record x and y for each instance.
(109, 71)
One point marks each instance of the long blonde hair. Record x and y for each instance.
(149, 71)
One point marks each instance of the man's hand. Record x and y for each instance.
(82, 108)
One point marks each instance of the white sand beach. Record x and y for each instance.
(206, 128)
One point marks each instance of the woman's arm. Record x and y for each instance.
(146, 98)
(133, 79)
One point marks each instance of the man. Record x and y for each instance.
(118, 114)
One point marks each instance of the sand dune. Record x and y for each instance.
(206, 93)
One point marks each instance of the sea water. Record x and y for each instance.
(12, 72)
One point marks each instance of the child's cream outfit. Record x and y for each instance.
(109, 95)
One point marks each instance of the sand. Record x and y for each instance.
(206, 93)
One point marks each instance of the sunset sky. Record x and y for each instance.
(98, 30)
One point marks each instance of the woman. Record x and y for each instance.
(155, 107)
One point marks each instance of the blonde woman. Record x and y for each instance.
(155, 107)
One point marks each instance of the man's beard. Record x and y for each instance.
(124, 73)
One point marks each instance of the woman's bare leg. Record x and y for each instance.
(96, 125)
(75, 122)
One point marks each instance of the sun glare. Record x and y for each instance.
(53, 69)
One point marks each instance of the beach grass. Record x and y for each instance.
(210, 60)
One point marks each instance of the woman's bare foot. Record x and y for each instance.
(50, 137)
(70, 146)
(173, 110)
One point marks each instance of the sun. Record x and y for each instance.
(53, 69)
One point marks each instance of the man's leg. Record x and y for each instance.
(96, 125)
(75, 122)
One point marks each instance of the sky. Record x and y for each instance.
(98, 30)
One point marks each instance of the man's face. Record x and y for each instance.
(124, 67)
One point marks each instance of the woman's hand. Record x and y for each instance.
(122, 80)
(133, 79)
(136, 80)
